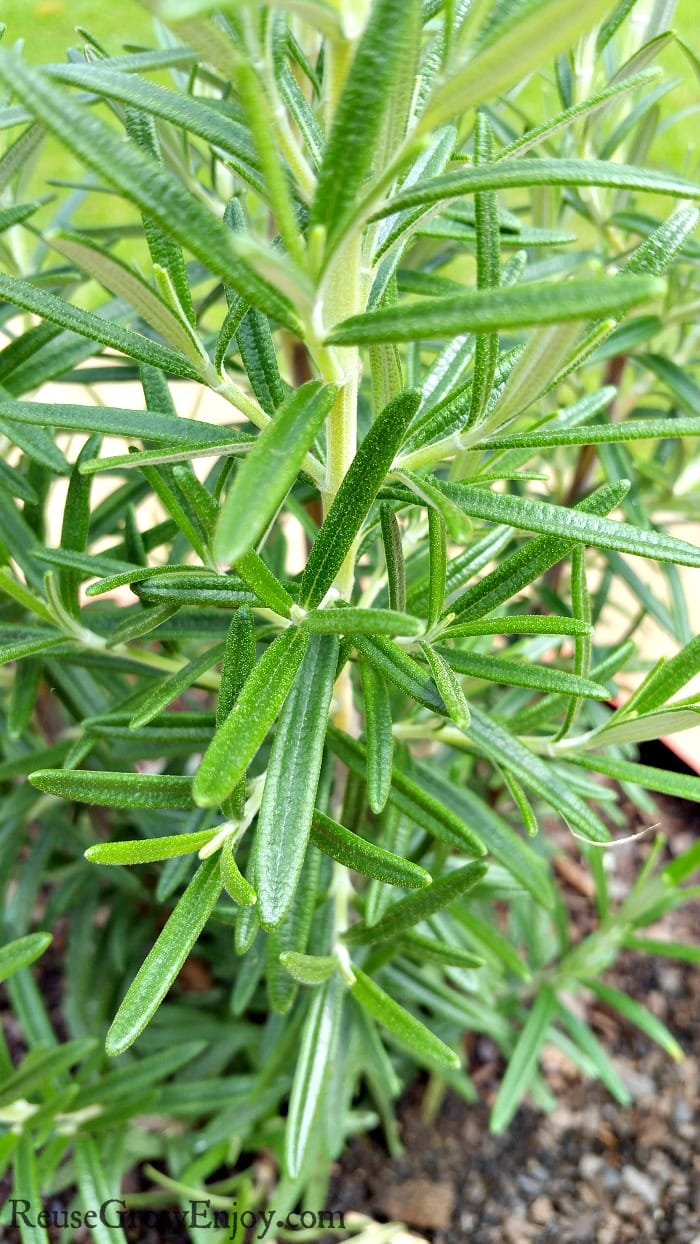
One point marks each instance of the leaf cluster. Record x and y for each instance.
(381, 389)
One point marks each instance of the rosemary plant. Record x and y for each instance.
(390, 307)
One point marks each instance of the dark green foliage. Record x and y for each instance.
(386, 386)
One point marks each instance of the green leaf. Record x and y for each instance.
(494, 947)
(639, 1016)
(488, 274)
(169, 267)
(533, 559)
(292, 934)
(23, 697)
(95, 1189)
(233, 880)
(12, 587)
(684, 389)
(417, 907)
(519, 624)
(490, 309)
(36, 443)
(522, 803)
(534, 773)
(25, 1187)
(293, 770)
(260, 115)
(139, 623)
(680, 868)
(23, 951)
(681, 785)
(448, 685)
(612, 23)
(437, 538)
(670, 677)
(164, 961)
(516, 40)
(522, 674)
(42, 1065)
(524, 864)
(575, 524)
(368, 95)
(252, 332)
(75, 528)
(393, 555)
(394, 665)
(114, 421)
(562, 120)
(431, 950)
(429, 162)
(316, 1053)
(134, 575)
(625, 430)
(239, 661)
(398, 1021)
(591, 1047)
(457, 526)
(219, 447)
(174, 686)
(15, 215)
(267, 473)
(509, 174)
(364, 856)
(346, 620)
(657, 251)
(263, 583)
(29, 645)
(146, 183)
(121, 280)
(523, 1061)
(195, 589)
(656, 946)
(309, 969)
(410, 798)
(94, 327)
(241, 733)
(637, 729)
(354, 497)
(380, 743)
(115, 790)
(193, 114)
(257, 349)
(19, 152)
(147, 850)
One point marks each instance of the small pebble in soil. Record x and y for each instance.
(640, 1184)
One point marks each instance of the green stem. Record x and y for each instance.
(341, 295)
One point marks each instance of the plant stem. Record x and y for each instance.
(341, 295)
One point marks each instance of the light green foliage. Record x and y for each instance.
(408, 315)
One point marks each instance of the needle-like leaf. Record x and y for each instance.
(574, 524)
(355, 496)
(164, 961)
(490, 309)
(239, 736)
(269, 470)
(293, 770)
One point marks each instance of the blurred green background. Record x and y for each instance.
(48, 27)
